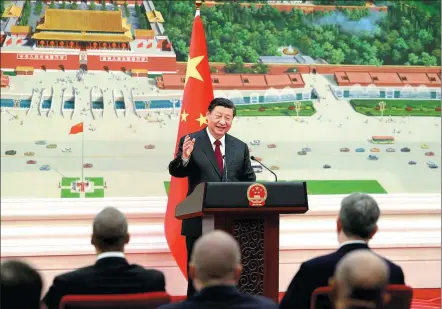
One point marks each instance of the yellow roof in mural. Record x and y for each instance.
(12, 11)
(155, 17)
(83, 20)
(21, 29)
(82, 37)
(144, 32)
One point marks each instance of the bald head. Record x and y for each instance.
(216, 259)
(110, 230)
(362, 275)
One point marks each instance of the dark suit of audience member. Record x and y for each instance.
(215, 268)
(111, 273)
(20, 286)
(356, 225)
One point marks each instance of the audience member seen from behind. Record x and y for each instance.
(356, 225)
(215, 268)
(111, 273)
(360, 287)
(20, 286)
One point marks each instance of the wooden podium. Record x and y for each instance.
(250, 212)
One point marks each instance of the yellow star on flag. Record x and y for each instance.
(191, 70)
(202, 120)
(184, 116)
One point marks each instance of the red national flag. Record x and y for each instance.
(19, 41)
(9, 42)
(198, 93)
(78, 128)
(149, 45)
(140, 44)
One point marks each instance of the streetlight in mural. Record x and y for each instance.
(382, 105)
(298, 105)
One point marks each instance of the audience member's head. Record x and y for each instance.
(20, 286)
(110, 232)
(360, 280)
(358, 218)
(216, 260)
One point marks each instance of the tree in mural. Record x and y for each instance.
(234, 31)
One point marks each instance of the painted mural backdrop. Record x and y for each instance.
(376, 130)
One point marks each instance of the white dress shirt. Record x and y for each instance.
(350, 242)
(111, 254)
(212, 142)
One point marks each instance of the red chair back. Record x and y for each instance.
(127, 301)
(400, 297)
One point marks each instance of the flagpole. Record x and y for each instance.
(82, 155)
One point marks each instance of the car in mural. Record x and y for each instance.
(29, 154)
(258, 159)
(326, 166)
(306, 149)
(373, 158)
(66, 150)
(274, 167)
(31, 162)
(271, 146)
(255, 142)
(429, 154)
(302, 153)
(405, 149)
(424, 146)
(412, 162)
(360, 149)
(88, 165)
(150, 146)
(45, 168)
(345, 149)
(10, 152)
(51, 146)
(375, 150)
(433, 166)
(390, 149)
(40, 142)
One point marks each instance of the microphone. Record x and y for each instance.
(225, 167)
(254, 159)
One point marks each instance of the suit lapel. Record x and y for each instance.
(229, 151)
(208, 151)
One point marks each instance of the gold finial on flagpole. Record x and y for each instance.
(198, 4)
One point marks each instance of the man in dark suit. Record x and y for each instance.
(356, 225)
(210, 155)
(111, 274)
(216, 268)
(20, 286)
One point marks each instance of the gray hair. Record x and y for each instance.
(110, 229)
(359, 215)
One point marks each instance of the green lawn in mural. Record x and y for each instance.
(97, 192)
(398, 107)
(275, 109)
(322, 187)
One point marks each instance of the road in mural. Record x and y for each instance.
(337, 131)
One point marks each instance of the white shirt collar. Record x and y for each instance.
(111, 254)
(213, 139)
(350, 242)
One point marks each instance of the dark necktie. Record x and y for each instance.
(219, 156)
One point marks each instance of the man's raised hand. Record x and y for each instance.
(188, 147)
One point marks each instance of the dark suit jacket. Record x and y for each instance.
(202, 167)
(316, 273)
(111, 275)
(223, 297)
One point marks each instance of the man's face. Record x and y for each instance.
(219, 121)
